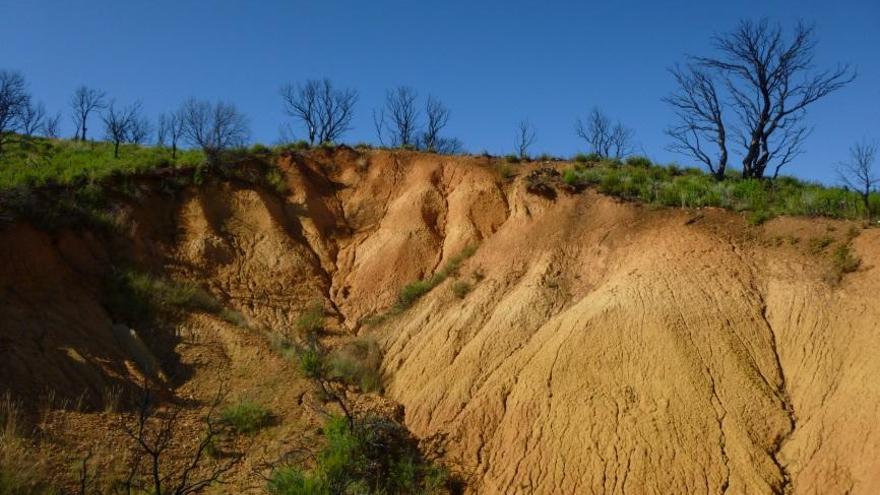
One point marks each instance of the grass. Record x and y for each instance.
(246, 416)
(692, 188)
(38, 161)
(843, 261)
(311, 322)
(460, 288)
(134, 295)
(411, 293)
(357, 364)
(23, 468)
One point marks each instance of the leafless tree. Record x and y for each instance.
(139, 127)
(399, 117)
(324, 111)
(698, 106)
(84, 101)
(859, 174)
(52, 126)
(525, 138)
(449, 146)
(606, 138)
(31, 120)
(116, 124)
(153, 432)
(213, 127)
(14, 99)
(437, 117)
(771, 82)
(170, 131)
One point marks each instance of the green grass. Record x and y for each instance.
(357, 364)
(246, 416)
(411, 293)
(311, 322)
(691, 188)
(39, 161)
(460, 288)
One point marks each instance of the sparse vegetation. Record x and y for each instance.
(246, 416)
(357, 364)
(410, 293)
(843, 261)
(460, 288)
(692, 188)
(376, 456)
(23, 471)
(311, 322)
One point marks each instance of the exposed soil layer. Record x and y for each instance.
(603, 347)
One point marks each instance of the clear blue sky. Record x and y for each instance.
(492, 62)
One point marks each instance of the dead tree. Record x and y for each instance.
(124, 126)
(170, 131)
(771, 82)
(605, 138)
(700, 125)
(154, 432)
(213, 127)
(324, 111)
(52, 126)
(31, 120)
(524, 139)
(84, 101)
(437, 116)
(859, 174)
(399, 117)
(14, 99)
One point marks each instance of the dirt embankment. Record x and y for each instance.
(604, 347)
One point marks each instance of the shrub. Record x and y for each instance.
(357, 364)
(137, 296)
(246, 416)
(275, 180)
(758, 217)
(377, 455)
(512, 158)
(818, 244)
(260, 149)
(843, 261)
(460, 288)
(410, 293)
(311, 321)
(639, 161)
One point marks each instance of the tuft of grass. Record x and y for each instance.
(246, 416)
(843, 261)
(23, 468)
(410, 293)
(511, 158)
(275, 180)
(460, 288)
(311, 322)
(357, 364)
(818, 244)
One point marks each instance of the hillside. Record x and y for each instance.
(589, 344)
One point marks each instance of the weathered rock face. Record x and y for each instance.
(603, 348)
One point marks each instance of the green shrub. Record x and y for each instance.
(137, 296)
(511, 158)
(376, 456)
(410, 293)
(358, 364)
(246, 416)
(275, 180)
(844, 261)
(311, 321)
(460, 288)
(260, 149)
(639, 161)
(758, 217)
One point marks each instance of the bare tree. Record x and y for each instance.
(859, 174)
(324, 111)
(399, 117)
(771, 82)
(52, 126)
(606, 138)
(213, 127)
(153, 432)
(170, 131)
(525, 138)
(449, 146)
(14, 99)
(116, 123)
(84, 101)
(139, 127)
(31, 119)
(437, 117)
(698, 106)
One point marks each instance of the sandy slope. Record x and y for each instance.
(605, 347)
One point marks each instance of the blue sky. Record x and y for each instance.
(492, 62)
